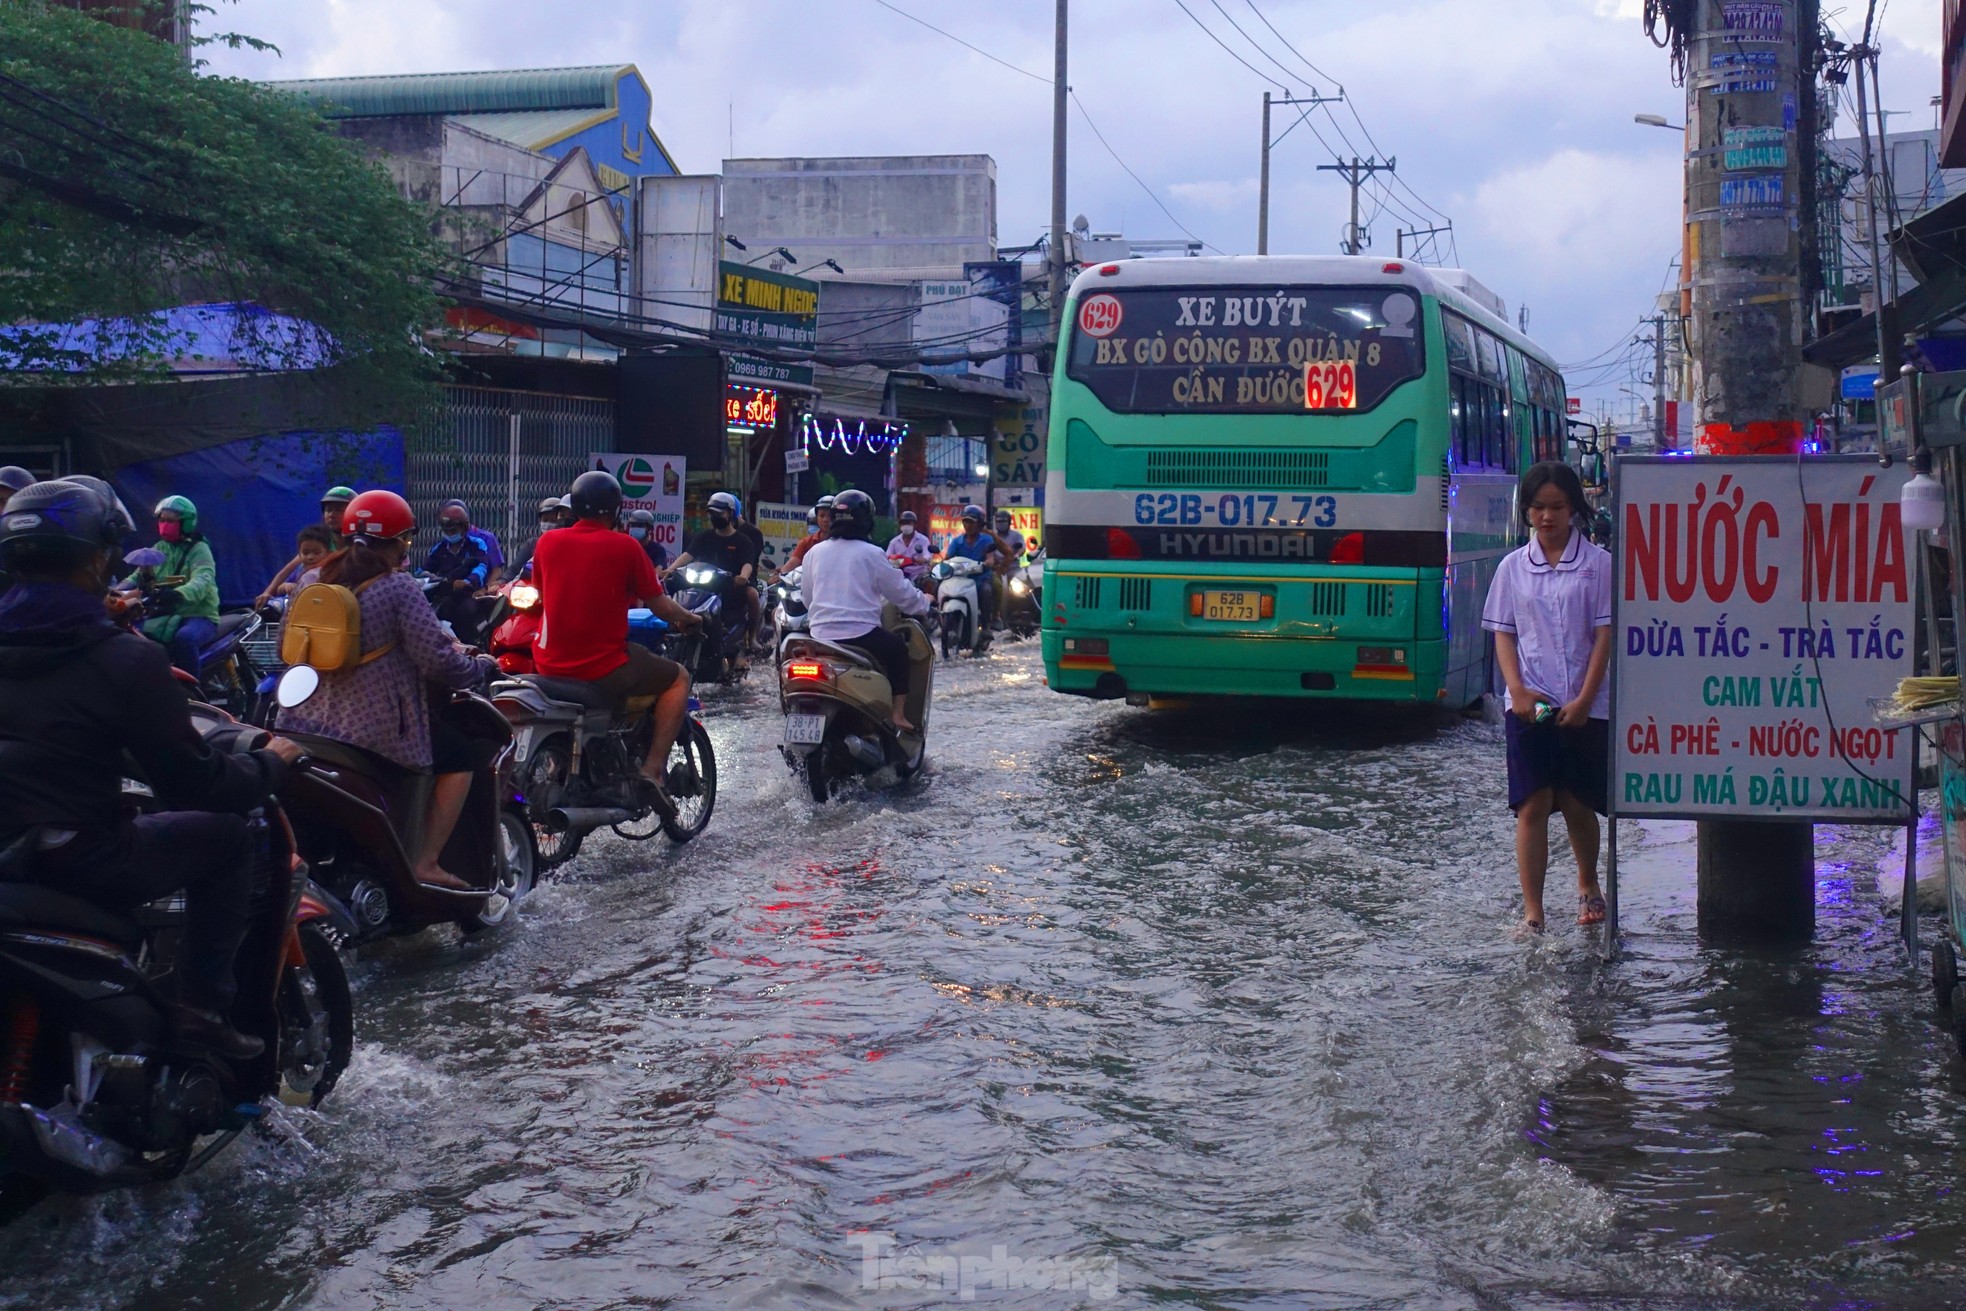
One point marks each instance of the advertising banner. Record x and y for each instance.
(1760, 604)
(649, 482)
(944, 522)
(772, 309)
(1028, 520)
(783, 526)
(1017, 447)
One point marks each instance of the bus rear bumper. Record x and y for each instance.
(1169, 666)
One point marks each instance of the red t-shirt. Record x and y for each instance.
(588, 577)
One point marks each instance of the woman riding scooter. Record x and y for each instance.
(847, 580)
(381, 705)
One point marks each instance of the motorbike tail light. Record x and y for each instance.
(805, 669)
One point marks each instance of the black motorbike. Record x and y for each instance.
(96, 1093)
(712, 652)
(227, 676)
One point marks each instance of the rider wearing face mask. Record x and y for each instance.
(76, 694)
(462, 558)
(729, 550)
(641, 527)
(185, 613)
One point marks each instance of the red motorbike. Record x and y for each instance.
(511, 641)
(95, 1091)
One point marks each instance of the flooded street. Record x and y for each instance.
(1203, 1007)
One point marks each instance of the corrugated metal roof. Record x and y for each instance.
(498, 92)
(529, 128)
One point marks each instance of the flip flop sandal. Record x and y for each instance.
(1590, 908)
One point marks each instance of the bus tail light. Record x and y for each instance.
(1121, 546)
(1108, 270)
(1394, 268)
(1266, 606)
(1349, 549)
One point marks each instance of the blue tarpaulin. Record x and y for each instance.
(253, 494)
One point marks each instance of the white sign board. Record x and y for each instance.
(1760, 604)
(797, 461)
(649, 482)
(784, 526)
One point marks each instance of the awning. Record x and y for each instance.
(1933, 247)
(938, 396)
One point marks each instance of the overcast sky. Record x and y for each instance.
(1513, 117)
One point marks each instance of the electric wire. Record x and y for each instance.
(1036, 77)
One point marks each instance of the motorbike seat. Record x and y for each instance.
(585, 695)
(380, 768)
(232, 623)
(31, 906)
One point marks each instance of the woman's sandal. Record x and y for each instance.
(1590, 908)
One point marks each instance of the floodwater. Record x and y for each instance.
(1209, 1008)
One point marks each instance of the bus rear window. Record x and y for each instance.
(1246, 350)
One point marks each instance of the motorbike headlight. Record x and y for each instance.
(1019, 586)
(524, 597)
(698, 576)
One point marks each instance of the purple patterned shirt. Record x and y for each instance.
(382, 706)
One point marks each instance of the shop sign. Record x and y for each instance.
(1028, 520)
(770, 309)
(945, 521)
(1759, 606)
(649, 482)
(1860, 382)
(797, 461)
(1017, 447)
(784, 526)
(1752, 20)
(750, 407)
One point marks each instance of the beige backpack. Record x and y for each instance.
(323, 629)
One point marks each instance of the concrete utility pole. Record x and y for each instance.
(1060, 89)
(1263, 188)
(1356, 173)
(1746, 92)
(1659, 434)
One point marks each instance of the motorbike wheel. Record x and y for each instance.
(518, 871)
(818, 779)
(544, 786)
(692, 782)
(317, 1016)
(949, 630)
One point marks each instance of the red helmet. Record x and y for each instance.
(377, 516)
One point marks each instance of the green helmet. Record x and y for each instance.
(182, 507)
(338, 495)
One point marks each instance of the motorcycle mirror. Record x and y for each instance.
(144, 557)
(296, 685)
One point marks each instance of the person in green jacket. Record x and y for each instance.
(184, 602)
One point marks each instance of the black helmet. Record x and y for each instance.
(595, 495)
(641, 519)
(973, 512)
(81, 511)
(853, 515)
(14, 478)
(551, 505)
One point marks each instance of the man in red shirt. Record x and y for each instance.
(588, 576)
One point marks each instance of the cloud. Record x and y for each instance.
(1512, 116)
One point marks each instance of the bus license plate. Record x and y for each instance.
(1237, 607)
(805, 730)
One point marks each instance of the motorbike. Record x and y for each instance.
(577, 760)
(359, 816)
(479, 617)
(787, 607)
(512, 637)
(710, 653)
(1024, 597)
(839, 708)
(95, 1094)
(956, 602)
(227, 677)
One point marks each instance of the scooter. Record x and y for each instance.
(956, 601)
(1024, 597)
(95, 1091)
(839, 710)
(711, 652)
(512, 639)
(359, 815)
(787, 606)
(227, 677)
(577, 761)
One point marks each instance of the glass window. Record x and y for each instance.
(1495, 429)
(1460, 419)
(1246, 350)
(1460, 341)
(1488, 356)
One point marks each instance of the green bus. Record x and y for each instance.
(1284, 477)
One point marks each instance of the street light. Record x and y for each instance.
(831, 264)
(790, 258)
(1656, 120)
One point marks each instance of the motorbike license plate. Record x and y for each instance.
(805, 730)
(1237, 607)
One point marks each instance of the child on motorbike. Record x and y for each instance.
(312, 545)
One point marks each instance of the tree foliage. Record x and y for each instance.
(130, 185)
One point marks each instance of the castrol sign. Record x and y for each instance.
(1099, 316)
(1760, 605)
